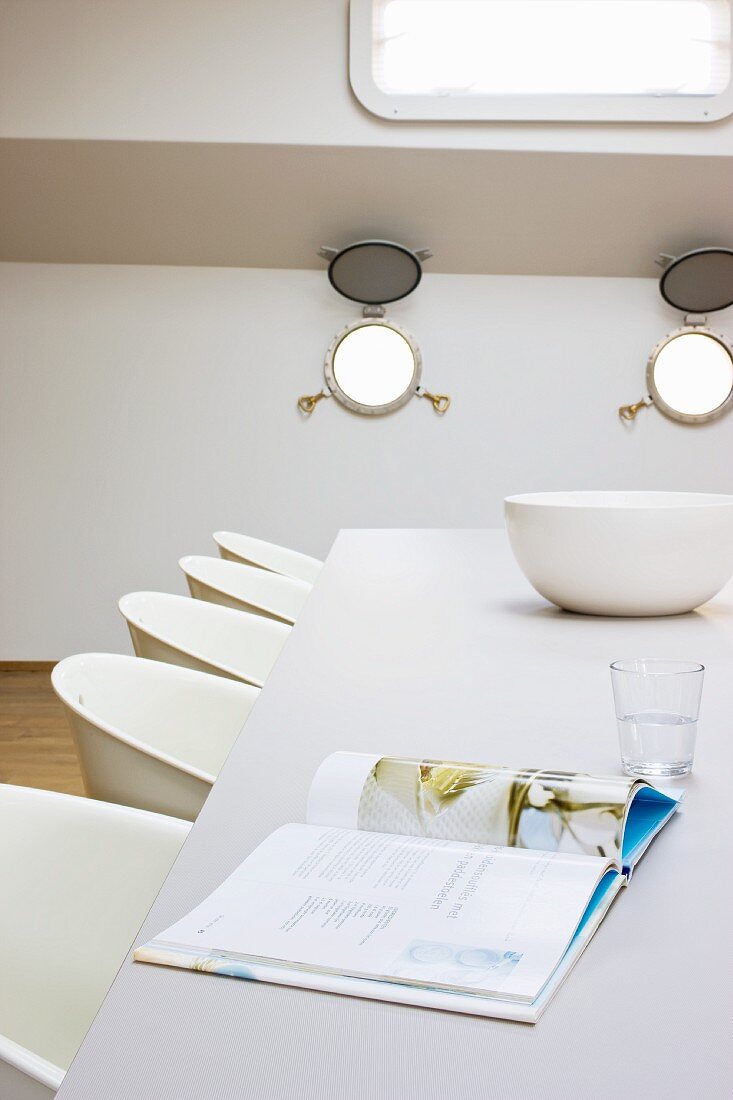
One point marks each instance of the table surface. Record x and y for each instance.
(432, 642)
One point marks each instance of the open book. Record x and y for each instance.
(457, 886)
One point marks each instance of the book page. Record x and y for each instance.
(424, 912)
(543, 810)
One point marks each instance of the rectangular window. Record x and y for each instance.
(662, 60)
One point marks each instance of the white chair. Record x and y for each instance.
(245, 588)
(78, 878)
(266, 555)
(148, 734)
(202, 636)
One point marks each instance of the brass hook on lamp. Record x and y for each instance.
(307, 403)
(441, 401)
(628, 412)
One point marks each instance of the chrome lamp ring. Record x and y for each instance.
(357, 406)
(670, 410)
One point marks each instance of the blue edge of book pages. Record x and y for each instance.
(649, 811)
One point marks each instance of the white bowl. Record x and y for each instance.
(617, 553)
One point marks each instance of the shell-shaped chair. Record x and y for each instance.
(149, 734)
(202, 636)
(267, 555)
(78, 878)
(245, 588)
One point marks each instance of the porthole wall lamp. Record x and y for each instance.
(373, 366)
(689, 374)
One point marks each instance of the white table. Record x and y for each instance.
(431, 642)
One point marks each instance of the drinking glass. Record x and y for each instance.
(657, 708)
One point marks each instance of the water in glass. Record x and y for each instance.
(657, 743)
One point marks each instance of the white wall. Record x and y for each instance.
(143, 408)
(240, 71)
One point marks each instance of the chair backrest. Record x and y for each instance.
(245, 587)
(78, 878)
(267, 555)
(183, 717)
(239, 645)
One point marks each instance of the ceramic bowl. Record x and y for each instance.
(623, 553)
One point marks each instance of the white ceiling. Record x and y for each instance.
(244, 71)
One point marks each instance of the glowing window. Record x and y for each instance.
(666, 60)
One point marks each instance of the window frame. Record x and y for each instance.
(518, 108)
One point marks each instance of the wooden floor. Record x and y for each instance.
(36, 748)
